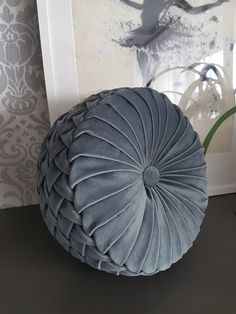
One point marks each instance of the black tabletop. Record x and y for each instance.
(38, 277)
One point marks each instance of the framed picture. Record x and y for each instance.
(185, 49)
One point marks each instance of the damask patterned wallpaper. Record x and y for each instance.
(23, 110)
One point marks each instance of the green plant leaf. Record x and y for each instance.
(215, 127)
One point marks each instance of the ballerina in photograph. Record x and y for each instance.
(160, 30)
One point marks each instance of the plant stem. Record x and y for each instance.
(215, 127)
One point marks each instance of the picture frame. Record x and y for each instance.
(58, 52)
(61, 78)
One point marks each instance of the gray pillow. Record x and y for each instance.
(122, 182)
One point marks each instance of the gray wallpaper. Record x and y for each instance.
(23, 111)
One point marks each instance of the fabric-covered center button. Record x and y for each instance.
(151, 176)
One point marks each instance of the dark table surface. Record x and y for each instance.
(38, 277)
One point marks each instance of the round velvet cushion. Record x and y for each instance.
(122, 182)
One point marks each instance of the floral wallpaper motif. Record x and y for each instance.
(23, 110)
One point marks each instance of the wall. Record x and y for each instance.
(23, 106)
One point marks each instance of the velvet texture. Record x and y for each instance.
(122, 182)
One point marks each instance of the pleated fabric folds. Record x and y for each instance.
(122, 182)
